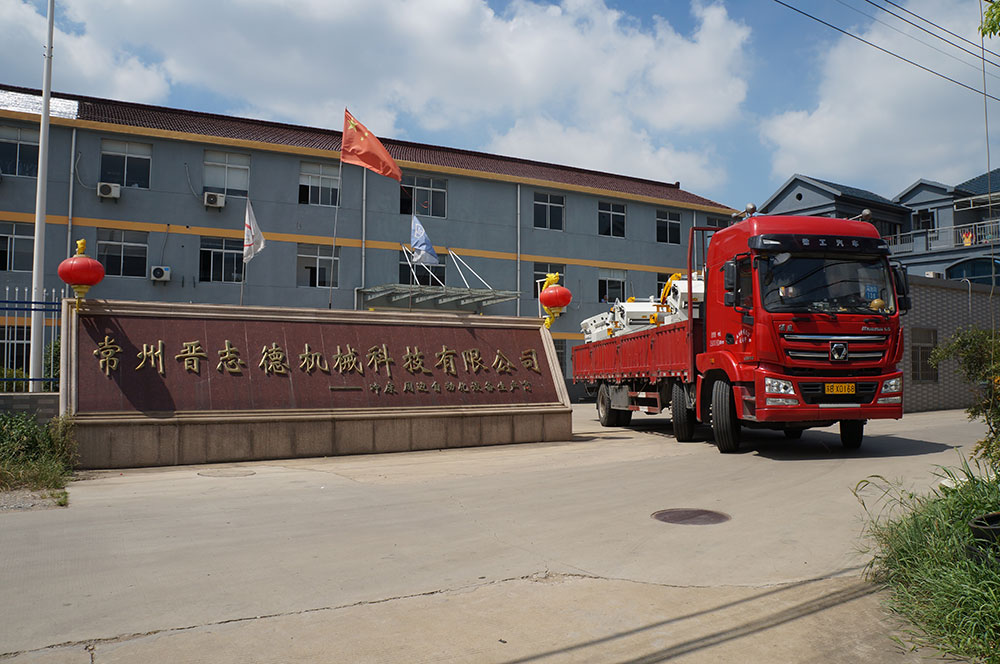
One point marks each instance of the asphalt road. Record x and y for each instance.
(522, 553)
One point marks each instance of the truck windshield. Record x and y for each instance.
(825, 283)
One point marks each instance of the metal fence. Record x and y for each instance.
(967, 235)
(15, 337)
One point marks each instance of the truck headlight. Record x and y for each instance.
(893, 385)
(778, 386)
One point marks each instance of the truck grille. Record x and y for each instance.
(816, 347)
(813, 393)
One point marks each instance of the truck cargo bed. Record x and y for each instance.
(654, 353)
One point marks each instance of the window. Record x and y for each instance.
(17, 246)
(549, 210)
(610, 285)
(560, 345)
(611, 219)
(976, 270)
(661, 282)
(717, 222)
(125, 163)
(427, 197)
(922, 342)
(890, 229)
(122, 253)
(221, 260)
(668, 227)
(423, 277)
(744, 283)
(542, 270)
(317, 266)
(18, 151)
(319, 184)
(227, 173)
(923, 220)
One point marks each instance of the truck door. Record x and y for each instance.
(744, 305)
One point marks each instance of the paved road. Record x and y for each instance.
(529, 553)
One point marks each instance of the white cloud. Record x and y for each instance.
(881, 124)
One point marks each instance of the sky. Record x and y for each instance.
(728, 98)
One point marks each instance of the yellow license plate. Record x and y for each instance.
(839, 388)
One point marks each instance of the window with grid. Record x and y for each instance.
(543, 270)
(319, 184)
(549, 211)
(560, 345)
(221, 259)
(424, 197)
(122, 253)
(227, 173)
(668, 227)
(611, 219)
(17, 246)
(126, 163)
(922, 341)
(610, 285)
(717, 222)
(317, 266)
(18, 151)
(423, 277)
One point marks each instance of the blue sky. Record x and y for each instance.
(729, 98)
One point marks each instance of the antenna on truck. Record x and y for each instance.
(749, 211)
(866, 215)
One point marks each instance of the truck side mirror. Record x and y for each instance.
(905, 303)
(729, 277)
(902, 280)
(729, 299)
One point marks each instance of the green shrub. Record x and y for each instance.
(35, 456)
(941, 580)
(13, 385)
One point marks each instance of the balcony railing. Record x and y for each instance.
(982, 233)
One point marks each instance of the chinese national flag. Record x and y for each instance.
(361, 148)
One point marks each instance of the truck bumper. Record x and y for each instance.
(825, 398)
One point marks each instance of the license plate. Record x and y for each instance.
(839, 388)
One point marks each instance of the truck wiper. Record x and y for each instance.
(817, 309)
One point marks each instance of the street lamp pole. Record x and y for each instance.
(35, 366)
(970, 298)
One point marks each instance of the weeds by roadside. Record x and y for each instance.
(33, 455)
(944, 582)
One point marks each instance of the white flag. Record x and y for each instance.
(253, 239)
(423, 250)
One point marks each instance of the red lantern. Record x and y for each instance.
(81, 271)
(555, 297)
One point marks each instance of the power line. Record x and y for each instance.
(971, 43)
(921, 41)
(887, 52)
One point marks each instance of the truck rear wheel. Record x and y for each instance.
(851, 433)
(725, 425)
(607, 415)
(683, 418)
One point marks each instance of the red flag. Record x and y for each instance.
(361, 148)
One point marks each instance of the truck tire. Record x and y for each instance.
(682, 417)
(851, 433)
(725, 425)
(607, 415)
(624, 417)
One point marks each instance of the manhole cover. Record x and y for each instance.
(690, 517)
(227, 472)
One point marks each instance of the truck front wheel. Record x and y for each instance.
(851, 433)
(725, 425)
(607, 415)
(683, 418)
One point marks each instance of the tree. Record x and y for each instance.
(991, 20)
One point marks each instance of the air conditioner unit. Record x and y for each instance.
(934, 275)
(109, 190)
(160, 273)
(215, 200)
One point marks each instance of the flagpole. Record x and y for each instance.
(336, 216)
(243, 282)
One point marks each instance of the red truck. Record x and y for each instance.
(798, 327)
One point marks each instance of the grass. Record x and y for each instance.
(35, 456)
(940, 579)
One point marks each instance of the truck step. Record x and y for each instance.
(652, 409)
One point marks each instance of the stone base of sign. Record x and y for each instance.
(131, 442)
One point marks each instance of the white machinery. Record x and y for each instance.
(632, 315)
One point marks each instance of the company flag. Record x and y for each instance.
(253, 239)
(361, 148)
(423, 251)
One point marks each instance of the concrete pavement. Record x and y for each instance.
(529, 553)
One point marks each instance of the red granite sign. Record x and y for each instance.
(168, 364)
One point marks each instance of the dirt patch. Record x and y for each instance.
(22, 500)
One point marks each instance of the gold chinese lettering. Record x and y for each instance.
(229, 359)
(390, 388)
(529, 358)
(310, 360)
(446, 360)
(413, 361)
(107, 355)
(154, 354)
(380, 355)
(502, 364)
(348, 361)
(273, 360)
(473, 360)
(192, 353)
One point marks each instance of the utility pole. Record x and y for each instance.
(36, 366)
